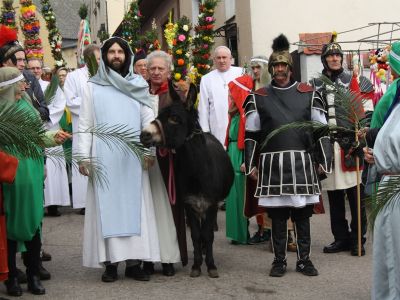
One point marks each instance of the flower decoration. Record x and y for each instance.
(149, 40)
(8, 14)
(131, 26)
(30, 28)
(203, 39)
(55, 38)
(180, 48)
(170, 33)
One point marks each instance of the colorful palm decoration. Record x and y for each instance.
(8, 14)
(30, 27)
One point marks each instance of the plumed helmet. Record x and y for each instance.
(332, 48)
(280, 54)
(9, 44)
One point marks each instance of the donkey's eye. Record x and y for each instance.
(173, 120)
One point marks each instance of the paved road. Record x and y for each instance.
(243, 271)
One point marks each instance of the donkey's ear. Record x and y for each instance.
(191, 97)
(172, 92)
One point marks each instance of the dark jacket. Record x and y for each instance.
(35, 92)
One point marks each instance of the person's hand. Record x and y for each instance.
(148, 162)
(254, 174)
(362, 132)
(369, 155)
(243, 168)
(320, 170)
(84, 168)
(61, 136)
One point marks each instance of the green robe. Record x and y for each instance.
(383, 105)
(236, 222)
(23, 199)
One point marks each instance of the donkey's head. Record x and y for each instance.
(174, 124)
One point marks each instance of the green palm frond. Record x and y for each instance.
(51, 89)
(349, 105)
(386, 195)
(120, 137)
(21, 132)
(318, 129)
(97, 172)
(92, 65)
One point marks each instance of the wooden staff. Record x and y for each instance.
(358, 197)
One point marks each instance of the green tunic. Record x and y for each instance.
(383, 105)
(23, 200)
(236, 222)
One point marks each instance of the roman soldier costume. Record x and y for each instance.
(287, 178)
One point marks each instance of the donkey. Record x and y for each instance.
(203, 171)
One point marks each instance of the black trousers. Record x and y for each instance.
(31, 257)
(290, 212)
(339, 223)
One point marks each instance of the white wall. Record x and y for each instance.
(310, 66)
(293, 17)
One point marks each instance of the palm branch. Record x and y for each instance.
(97, 172)
(318, 129)
(92, 65)
(349, 105)
(51, 89)
(348, 111)
(120, 137)
(386, 195)
(21, 132)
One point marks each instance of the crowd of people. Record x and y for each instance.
(134, 218)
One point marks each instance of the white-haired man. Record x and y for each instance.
(213, 105)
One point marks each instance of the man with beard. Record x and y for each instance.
(287, 181)
(119, 220)
(343, 180)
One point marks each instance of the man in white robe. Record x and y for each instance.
(56, 191)
(119, 221)
(74, 88)
(213, 105)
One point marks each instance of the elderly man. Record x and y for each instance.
(214, 105)
(119, 220)
(75, 86)
(12, 55)
(343, 180)
(35, 65)
(140, 64)
(169, 217)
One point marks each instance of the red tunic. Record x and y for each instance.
(8, 170)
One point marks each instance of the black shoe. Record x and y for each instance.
(337, 246)
(278, 268)
(148, 267)
(52, 211)
(13, 287)
(21, 276)
(136, 273)
(306, 267)
(35, 286)
(43, 273)
(110, 274)
(354, 250)
(82, 211)
(45, 256)
(168, 269)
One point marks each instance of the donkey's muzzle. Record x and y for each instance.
(146, 139)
